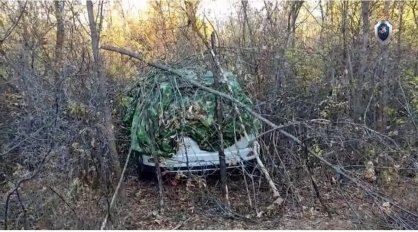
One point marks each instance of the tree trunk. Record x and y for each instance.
(381, 116)
(414, 13)
(59, 46)
(330, 11)
(25, 59)
(250, 32)
(357, 91)
(59, 14)
(101, 91)
(344, 28)
(291, 20)
(398, 44)
(219, 122)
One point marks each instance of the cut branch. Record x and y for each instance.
(115, 194)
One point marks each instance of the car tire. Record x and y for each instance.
(144, 172)
(139, 165)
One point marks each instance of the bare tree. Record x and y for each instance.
(382, 118)
(59, 46)
(219, 117)
(357, 91)
(294, 9)
(104, 110)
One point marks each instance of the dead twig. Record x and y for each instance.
(313, 181)
(276, 193)
(63, 199)
(25, 224)
(180, 224)
(112, 202)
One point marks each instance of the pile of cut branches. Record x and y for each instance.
(164, 108)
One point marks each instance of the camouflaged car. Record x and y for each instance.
(175, 121)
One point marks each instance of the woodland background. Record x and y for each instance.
(313, 67)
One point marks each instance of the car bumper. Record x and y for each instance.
(190, 157)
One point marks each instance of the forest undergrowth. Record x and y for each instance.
(339, 141)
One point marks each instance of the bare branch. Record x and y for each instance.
(10, 30)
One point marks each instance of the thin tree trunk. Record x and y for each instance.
(291, 21)
(345, 54)
(330, 11)
(344, 28)
(59, 46)
(160, 182)
(25, 60)
(250, 32)
(414, 13)
(101, 91)
(398, 44)
(219, 120)
(322, 15)
(357, 91)
(59, 14)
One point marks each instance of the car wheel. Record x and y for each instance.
(139, 165)
(144, 172)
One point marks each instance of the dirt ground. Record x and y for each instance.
(198, 205)
(189, 206)
(192, 209)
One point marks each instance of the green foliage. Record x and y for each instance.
(330, 109)
(166, 108)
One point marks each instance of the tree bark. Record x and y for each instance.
(357, 91)
(219, 120)
(59, 46)
(415, 14)
(59, 14)
(101, 91)
(382, 117)
(291, 20)
(344, 28)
